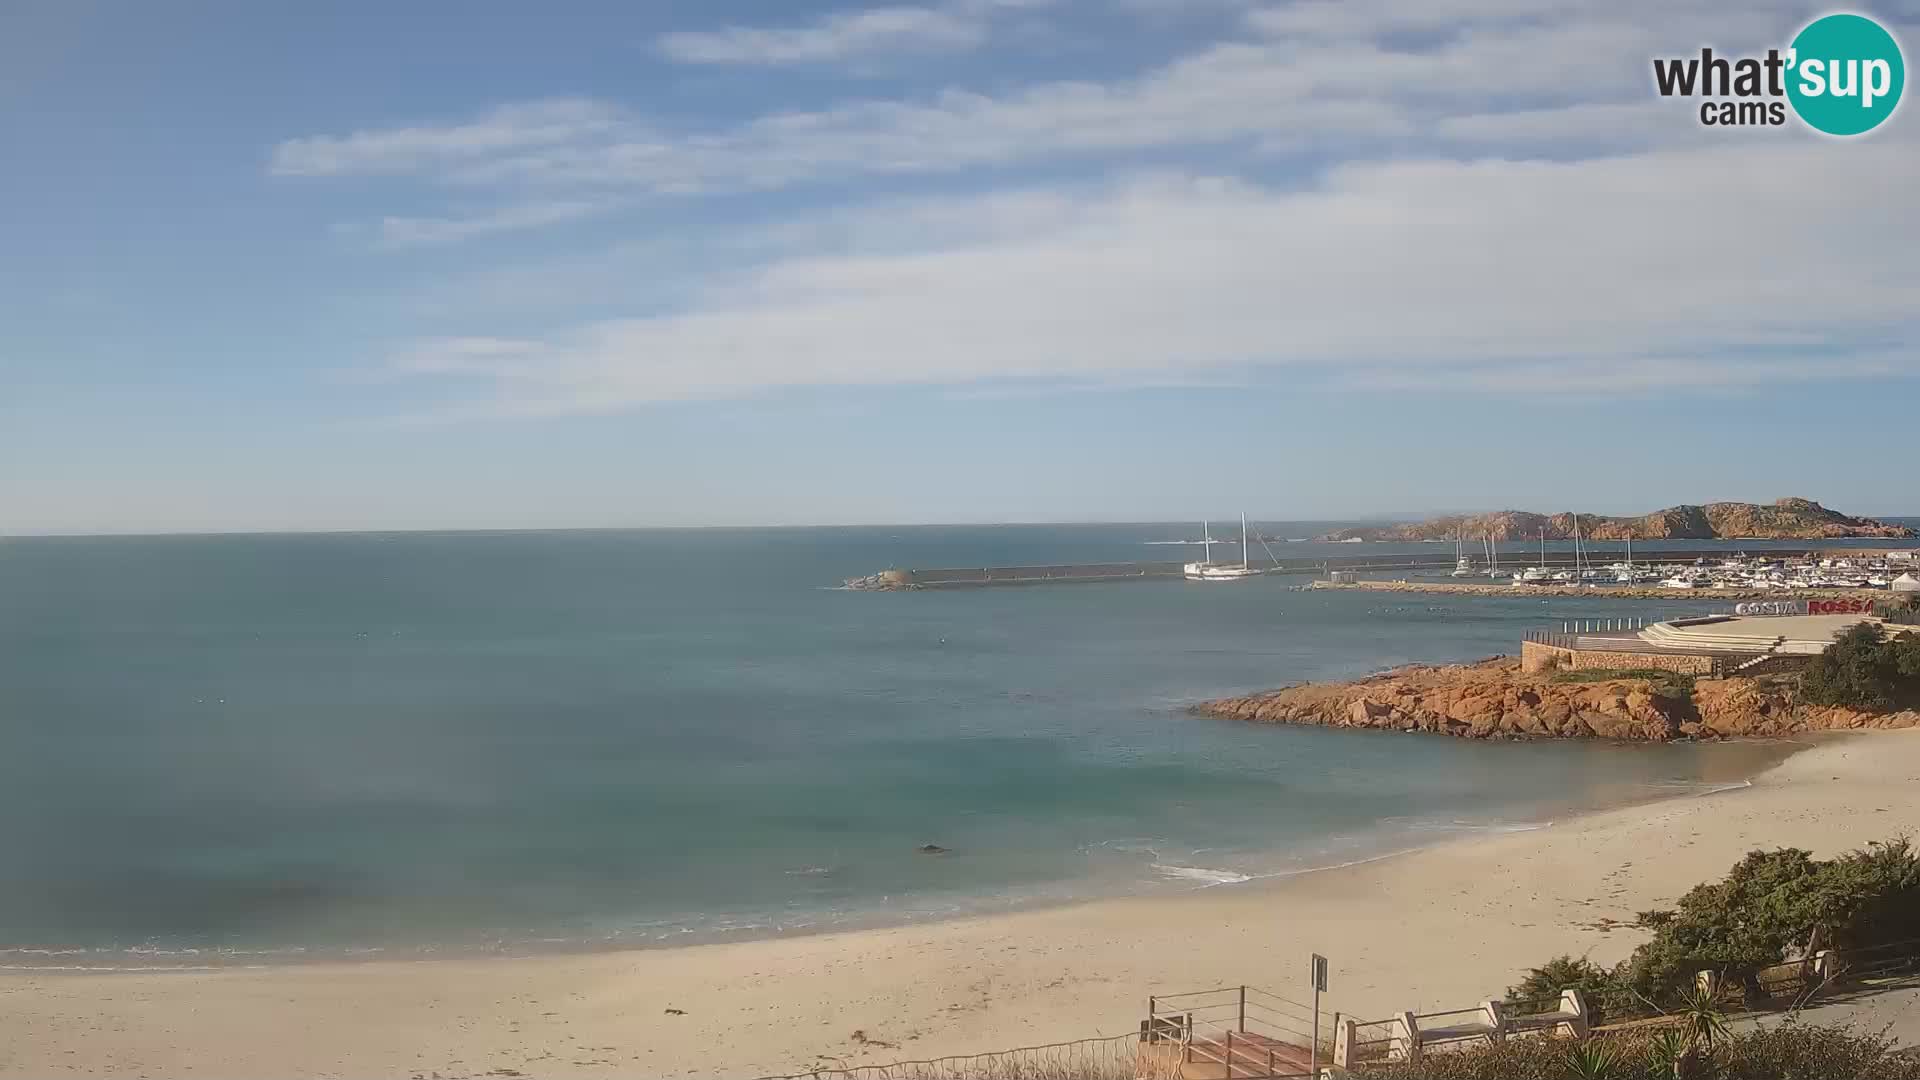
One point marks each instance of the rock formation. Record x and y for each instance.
(1787, 519)
(1494, 699)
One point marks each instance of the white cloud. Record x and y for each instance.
(843, 35)
(1676, 261)
(405, 232)
(502, 130)
(835, 37)
(1419, 238)
(1489, 79)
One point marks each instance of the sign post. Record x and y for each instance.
(1319, 987)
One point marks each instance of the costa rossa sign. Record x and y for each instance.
(1839, 607)
(1771, 607)
(1810, 607)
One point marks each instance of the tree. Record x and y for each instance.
(1865, 669)
(1779, 903)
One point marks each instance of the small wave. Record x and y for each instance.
(1201, 873)
(1470, 828)
(810, 871)
(1718, 788)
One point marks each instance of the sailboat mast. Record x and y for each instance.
(1206, 533)
(1244, 561)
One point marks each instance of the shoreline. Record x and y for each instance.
(1438, 927)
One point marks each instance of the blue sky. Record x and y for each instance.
(506, 265)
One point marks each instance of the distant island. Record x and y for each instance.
(1787, 519)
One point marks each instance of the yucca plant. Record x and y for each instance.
(1594, 1060)
(1668, 1056)
(1702, 1023)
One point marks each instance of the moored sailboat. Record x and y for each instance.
(1205, 570)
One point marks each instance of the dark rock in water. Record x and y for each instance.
(932, 849)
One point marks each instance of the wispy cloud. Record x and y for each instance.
(504, 130)
(1407, 269)
(844, 35)
(1580, 77)
(1480, 191)
(407, 232)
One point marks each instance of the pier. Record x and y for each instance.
(1439, 561)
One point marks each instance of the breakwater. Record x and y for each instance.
(1438, 561)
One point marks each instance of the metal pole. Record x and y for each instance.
(1313, 1047)
(1243, 1009)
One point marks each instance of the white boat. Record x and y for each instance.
(1537, 574)
(1207, 571)
(1677, 582)
(1462, 566)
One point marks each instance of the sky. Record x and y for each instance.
(507, 265)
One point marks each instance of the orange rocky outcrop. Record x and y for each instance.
(1784, 519)
(1494, 699)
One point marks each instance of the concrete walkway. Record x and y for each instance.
(1895, 1011)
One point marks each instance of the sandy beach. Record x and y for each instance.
(1439, 927)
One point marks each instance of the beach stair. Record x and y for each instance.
(1230, 1033)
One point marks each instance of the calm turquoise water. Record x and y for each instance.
(580, 739)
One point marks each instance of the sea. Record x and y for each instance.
(245, 749)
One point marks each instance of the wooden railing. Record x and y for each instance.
(1235, 1032)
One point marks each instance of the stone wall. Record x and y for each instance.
(1536, 657)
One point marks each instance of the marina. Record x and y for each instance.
(1656, 571)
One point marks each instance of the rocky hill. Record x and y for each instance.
(1787, 519)
(1494, 699)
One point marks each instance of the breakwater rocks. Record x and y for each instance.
(884, 580)
(1494, 699)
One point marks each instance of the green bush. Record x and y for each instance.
(1787, 1051)
(1865, 669)
(1609, 998)
(1772, 904)
(1776, 902)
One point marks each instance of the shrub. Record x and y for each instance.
(1865, 669)
(1777, 902)
(1788, 1051)
(1771, 905)
(1608, 997)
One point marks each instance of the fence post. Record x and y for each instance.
(1243, 1009)
(1345, 1034)
(1707, 982)
(1573, 1002)
(1229, 1055)
(1826, 965)
(1411, 1027)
